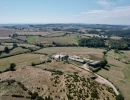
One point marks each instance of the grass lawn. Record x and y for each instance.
(19, 60)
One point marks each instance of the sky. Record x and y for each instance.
(115, 12)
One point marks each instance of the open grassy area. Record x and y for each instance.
(33, 33)
(119, 72)
(116, 37)
(15, 51)
(62, 40)
(31, 39)
(19, 44)
(69, 39)
(83, 52)
(19, 60)
(2, 47)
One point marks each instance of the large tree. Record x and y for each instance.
(6, 50)
(12, 66)
(103, 63)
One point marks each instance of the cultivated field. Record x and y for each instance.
(4, 32)
(34, 33)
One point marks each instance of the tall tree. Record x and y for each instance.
(6, 50)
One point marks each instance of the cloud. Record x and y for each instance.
(116, 15)
(105, 3)
(115, 12)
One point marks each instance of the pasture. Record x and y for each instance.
(19, 60)
(83, 52)
(2, 47)
(118, 73)
(69, 39)
(14, 51)
(19, 44)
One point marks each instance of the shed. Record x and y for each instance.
(95, 64)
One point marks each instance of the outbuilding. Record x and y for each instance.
(95, 64)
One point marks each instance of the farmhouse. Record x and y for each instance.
(60, 57)
(94, 64)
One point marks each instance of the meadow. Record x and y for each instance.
(69, 39)
(119, 72)
(83, 52)
(19, 60)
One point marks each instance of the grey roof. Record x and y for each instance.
(94, 63)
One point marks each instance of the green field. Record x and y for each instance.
(31, 39)
(69, 39)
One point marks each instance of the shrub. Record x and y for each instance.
(34, 95)
(17, 96)
(33, 64)
(22, 86)
(15, 45)
(39, 98)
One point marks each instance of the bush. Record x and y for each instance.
(33, 64)
(22, 86)
(17, 96)
(34, 95)
(39, 98)
(15, 45)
